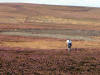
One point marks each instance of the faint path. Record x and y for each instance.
(60, 36)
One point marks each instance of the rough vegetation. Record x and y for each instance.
(40, 62)
(32, 40)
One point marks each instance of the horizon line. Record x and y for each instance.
(52, 4)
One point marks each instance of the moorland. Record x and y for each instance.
(32, 39)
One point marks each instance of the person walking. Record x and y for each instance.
(69, 44)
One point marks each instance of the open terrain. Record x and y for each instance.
(32, 40)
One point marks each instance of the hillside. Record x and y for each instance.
(32, 39)
(62, 22)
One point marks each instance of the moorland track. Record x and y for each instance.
(57, 31)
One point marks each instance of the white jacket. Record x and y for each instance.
(68, 41)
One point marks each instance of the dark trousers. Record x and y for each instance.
(69, 48)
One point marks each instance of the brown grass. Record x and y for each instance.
(38, 55)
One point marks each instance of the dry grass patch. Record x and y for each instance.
(51, 19)
(49, 44)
